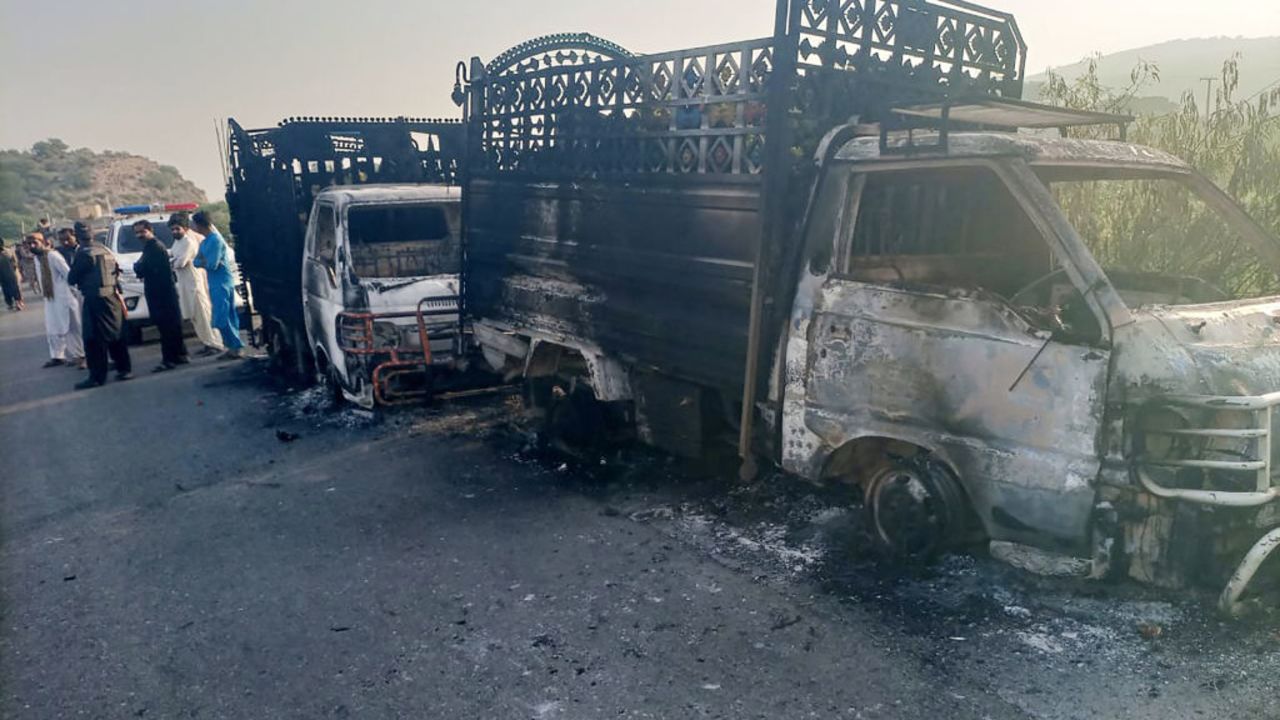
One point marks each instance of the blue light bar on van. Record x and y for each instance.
(156, 208)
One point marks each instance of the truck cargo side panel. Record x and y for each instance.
(658, 276)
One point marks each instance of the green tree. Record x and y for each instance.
(51, 148)
(1235, 143)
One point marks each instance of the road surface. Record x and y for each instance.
(170, 549)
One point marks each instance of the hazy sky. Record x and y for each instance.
(150, 77)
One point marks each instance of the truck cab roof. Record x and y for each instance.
(389, 194)
(1036, 149)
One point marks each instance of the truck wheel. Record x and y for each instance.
(916, 508)
(574, 422)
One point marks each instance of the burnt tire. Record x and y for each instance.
(916, 508)
(327, 379)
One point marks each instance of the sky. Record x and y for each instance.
(152, 78)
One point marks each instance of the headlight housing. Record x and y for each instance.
(386, 335)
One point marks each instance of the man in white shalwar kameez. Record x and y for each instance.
(61, 304)
(193, 287)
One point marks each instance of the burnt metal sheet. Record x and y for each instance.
(1017, 414)
(657, 276)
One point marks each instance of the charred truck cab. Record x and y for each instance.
(853, 247)
(396, 240)
(379, 288)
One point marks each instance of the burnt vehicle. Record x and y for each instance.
(380, 289)
(855, 248)
(385, 255)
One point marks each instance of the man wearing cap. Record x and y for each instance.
(96, 275)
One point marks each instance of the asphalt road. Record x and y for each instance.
(165, 554)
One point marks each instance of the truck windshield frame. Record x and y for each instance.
(1066, 257)
(1255, 278)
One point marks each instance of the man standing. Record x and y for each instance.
(216, 260)
(61, 304)
(156, 273)
(67, 245)
(193, 285)
(96, 275)
(9, 281)
(27, 267)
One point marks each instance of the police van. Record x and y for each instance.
(127, 248)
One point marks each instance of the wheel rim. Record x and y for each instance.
(913, 509)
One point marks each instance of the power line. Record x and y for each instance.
(1270, 85)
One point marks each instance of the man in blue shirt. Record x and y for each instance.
(216, 261)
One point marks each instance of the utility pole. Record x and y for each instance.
(1208, 89)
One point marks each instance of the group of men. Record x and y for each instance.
(196, 280)
(84, 306)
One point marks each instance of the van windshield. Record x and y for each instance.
(127, 242)
(400, 241)
(1160, 238)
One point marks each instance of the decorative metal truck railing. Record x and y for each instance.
(720, 137)
(575, 105)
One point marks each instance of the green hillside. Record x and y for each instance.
(52, 179)
(1183, 64)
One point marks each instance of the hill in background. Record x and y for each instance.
(50, 179)
(1182, 64)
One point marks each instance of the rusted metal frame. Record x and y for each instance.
(383, 374)
(401, 358)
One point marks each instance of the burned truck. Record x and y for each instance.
(853, 247)
(364, 297)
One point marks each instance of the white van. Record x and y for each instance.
(380, 288)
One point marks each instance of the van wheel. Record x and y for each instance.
(916, 508)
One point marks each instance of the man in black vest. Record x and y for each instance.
(162, 296)
(95, 274)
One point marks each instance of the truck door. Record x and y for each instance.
(322, 287)
(938, 327)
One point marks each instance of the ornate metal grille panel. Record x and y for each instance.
(576, 105)
(949, 45)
